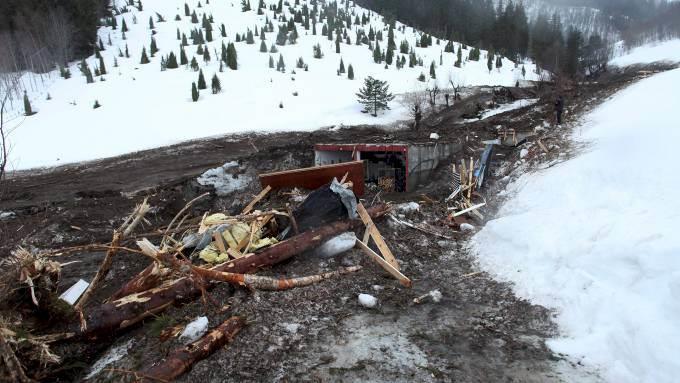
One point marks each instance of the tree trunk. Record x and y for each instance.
(182, 359)
(116, 315)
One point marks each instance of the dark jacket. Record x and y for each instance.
(559, 104)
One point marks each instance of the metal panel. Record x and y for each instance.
(315, 177)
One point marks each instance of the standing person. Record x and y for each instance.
(447, 99)
(418, 116)
(559, 108)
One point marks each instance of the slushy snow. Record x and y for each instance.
(143, 107)
(596, 238)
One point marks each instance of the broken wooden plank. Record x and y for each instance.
(472, 208)
(315, 177)
(372, 232)
(384, 264)
(257, 199)
(540, 143)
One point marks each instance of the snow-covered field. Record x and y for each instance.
(665, 51)
(596, 238)
(143, 107)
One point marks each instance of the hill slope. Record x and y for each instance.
(143, 107)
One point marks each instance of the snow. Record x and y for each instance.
(194, 330)
(144, 108)
(368, 300)
(665, 51)
(596, 238)
(337, 245)
(407, 207)
(506, 108)
(436, 295)
(223, 180)
(113, 355)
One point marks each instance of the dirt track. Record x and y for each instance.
(479, 332)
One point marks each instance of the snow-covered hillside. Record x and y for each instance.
(145, 107)
(596, 238)
(663, 51)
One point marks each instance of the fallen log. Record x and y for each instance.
(122, 313)
(147, 279)
(181, 360)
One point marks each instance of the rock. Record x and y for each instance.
(466, 227)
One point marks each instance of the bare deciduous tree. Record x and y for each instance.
(433, 91)
(10, 89)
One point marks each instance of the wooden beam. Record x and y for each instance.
(372, 232)
(385, 265)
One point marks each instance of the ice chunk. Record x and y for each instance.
(194, 330)
(337, 245)
(223, 180)
(367, 300)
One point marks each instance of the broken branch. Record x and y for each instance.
(182, 359)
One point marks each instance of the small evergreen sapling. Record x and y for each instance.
(145, 58)
(215, 84)
(201, 81)
(28, 111)
(194, 92)
(350, 72)
(374, 95)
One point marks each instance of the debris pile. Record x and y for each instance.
(192, 255)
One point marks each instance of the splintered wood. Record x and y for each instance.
(257, 199)
(464, 185)
(385, 259)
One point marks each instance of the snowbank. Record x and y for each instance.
(666, 51)
(597, 238)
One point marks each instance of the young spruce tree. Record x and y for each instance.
(194, 92)
(215, 84)
(375, 95)
(201, 80)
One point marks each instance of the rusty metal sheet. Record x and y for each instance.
(315, 177)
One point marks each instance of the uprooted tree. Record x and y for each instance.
(375, 95)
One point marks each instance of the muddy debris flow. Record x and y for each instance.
(294, 314)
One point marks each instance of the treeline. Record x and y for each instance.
(37, 34)
(473, 22)
(504, 29)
